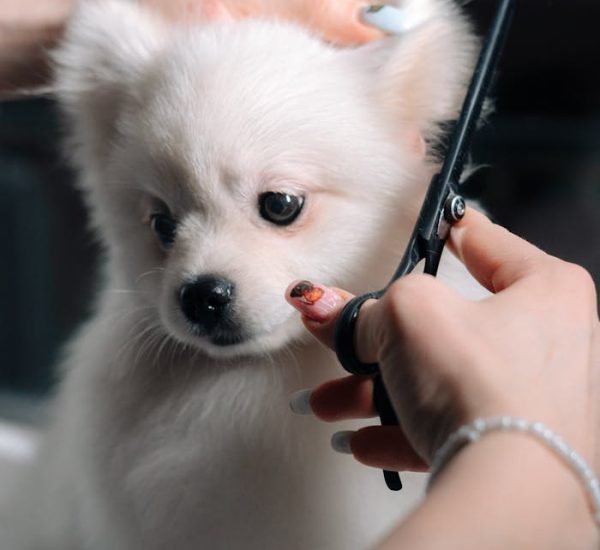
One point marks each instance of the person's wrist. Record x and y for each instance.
(512, 478)
(573, 428)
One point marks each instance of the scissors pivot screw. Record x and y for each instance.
(454, 209)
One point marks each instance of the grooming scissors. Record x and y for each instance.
(443, 207)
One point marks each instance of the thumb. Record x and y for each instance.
(494, 256)
(319, 306)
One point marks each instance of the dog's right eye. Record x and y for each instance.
(280, 208)
(165, 227)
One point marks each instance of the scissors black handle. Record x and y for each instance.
(442, 207)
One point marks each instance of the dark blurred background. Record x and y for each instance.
(542, 146)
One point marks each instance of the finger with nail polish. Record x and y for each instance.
(347, 398)
(314, 301)
(341, 442)
(383, 447)
(319, 306)
(300, 402)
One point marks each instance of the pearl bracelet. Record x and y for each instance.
(482, 426)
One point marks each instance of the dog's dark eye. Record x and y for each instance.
(280, 208)
(165, 227)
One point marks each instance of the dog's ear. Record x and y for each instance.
(420, 77)
(106, 48)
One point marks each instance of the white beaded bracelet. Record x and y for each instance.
(474, 431)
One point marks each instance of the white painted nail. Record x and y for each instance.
(393, 20)
(340, 441)
(386, 18)
(300, 402)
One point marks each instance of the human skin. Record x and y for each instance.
(29, 28)
(531, 350)
(336, 20)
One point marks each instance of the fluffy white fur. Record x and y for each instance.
(160, 438)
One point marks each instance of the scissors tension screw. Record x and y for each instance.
(454, 209)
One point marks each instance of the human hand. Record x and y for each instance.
(336, 20)
(531, 350)
(27, 32)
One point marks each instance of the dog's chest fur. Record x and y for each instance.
(197, 458)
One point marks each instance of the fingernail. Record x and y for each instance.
(340, 441)
(314, 301)
(389, 19)
(300, 402)
(393, 20)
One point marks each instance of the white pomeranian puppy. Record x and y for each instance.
(220, 163)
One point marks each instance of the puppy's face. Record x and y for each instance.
(223, 163)
(244, 169)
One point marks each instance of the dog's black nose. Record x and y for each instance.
(206, 301)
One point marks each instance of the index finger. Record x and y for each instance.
(492, 254)
(319, 313)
